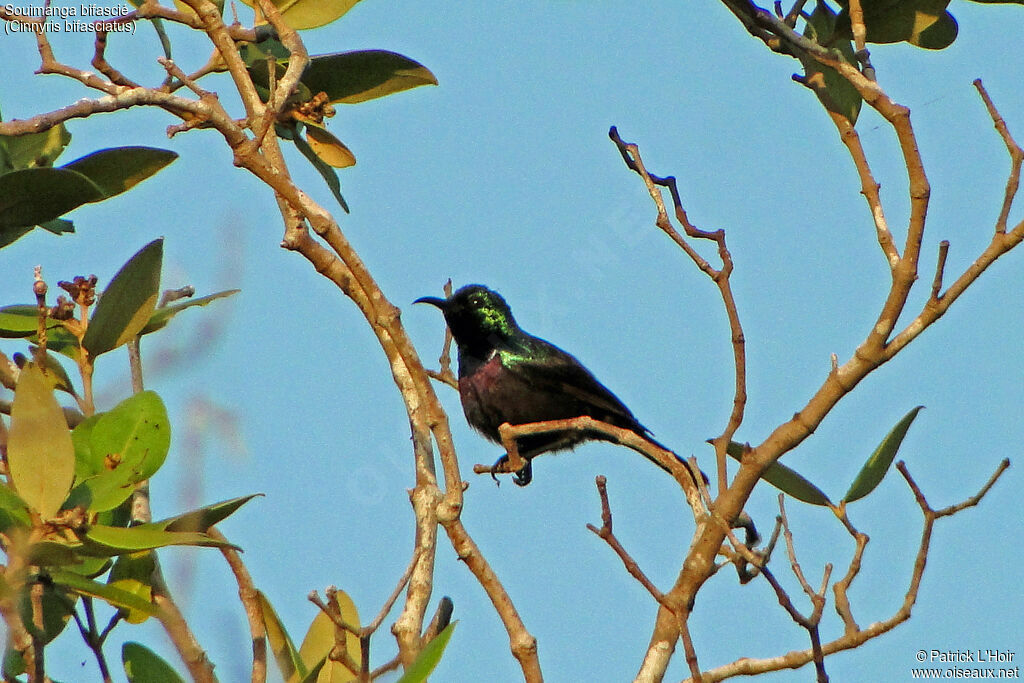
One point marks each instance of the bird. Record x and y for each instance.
(509, 375)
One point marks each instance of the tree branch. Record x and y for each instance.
(855, 637)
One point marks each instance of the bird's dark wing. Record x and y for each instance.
(554, 372)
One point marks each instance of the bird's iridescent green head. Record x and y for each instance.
(477, 316)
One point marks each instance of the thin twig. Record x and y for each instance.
(630, 153)
(390, 602)
(869, 187)
(940, 267)
(689, 651)
(607, 534)
(1016, 157)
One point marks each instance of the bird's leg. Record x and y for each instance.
(515, 462)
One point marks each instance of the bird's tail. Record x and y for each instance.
(742, 520)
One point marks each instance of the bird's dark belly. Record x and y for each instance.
(492, 396)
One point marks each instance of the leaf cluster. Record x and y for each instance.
(34, 193)
(927, 24)
(65, 521)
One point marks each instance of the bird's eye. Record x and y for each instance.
(476, 301)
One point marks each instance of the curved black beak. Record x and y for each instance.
(433, 301)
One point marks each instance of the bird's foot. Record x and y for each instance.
(521, 478)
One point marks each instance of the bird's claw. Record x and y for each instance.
(521, 478)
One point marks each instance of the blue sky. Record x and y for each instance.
(504, 175)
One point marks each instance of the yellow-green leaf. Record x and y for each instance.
(360, 75)
(300, 14)
(429, 657)
(285, 653)
(40, 455)
(111, 594)
(162, 316)
(134, 574)
(783, 478)
(335, 672)
(36, 150)
(320, 638)
(100, 540)
(873, 471)
(330, 149)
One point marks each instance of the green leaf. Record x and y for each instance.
(58, 226)
(112, 595)
(128, 301)
(162, 316)
(136, 433)
(429, 657)
(142, 665)
(256, 65)
(90, 567)
(81, 438)
(36, 150)
(14, 665)
(281, 644)
(53, 554)
(117, 169)
(328, 174)
(873, 471)
(13, 505)
(302, 14)
(22, 320)
(12, 235)
(784, 479)
(125, 445)
(57, 607)
(350, 77)
(106, 541)
(35, 195)
(202, 519)
(835, 92)
(330, 149)
(40, 455)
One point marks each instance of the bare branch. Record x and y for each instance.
(198, 664)
(940, 267)
(606, 533)
(852, 638)
(869, 186)
(1016, 157)
(631, 156)
(390, 602)
(249, 596)
(665, 459)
